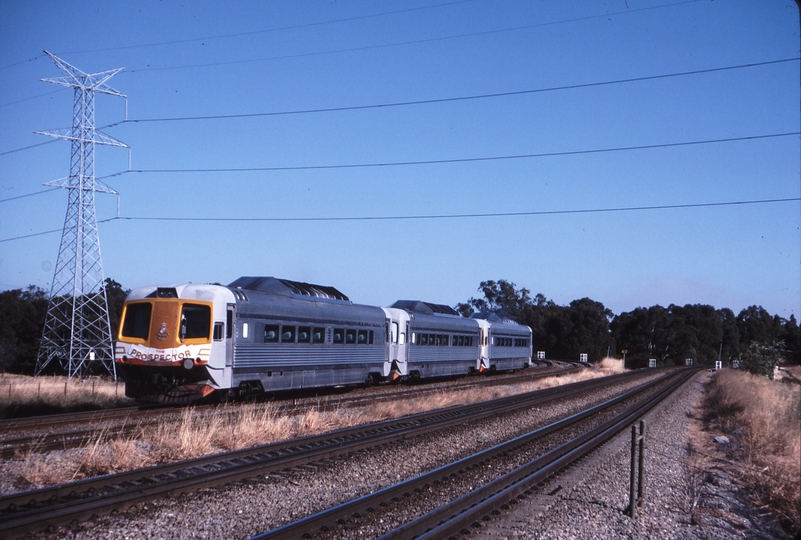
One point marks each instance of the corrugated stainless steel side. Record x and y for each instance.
(291, 356)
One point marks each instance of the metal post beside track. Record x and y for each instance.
(637, 469)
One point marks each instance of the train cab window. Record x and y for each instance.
(402, 338)
(270, 333)
(137, 320)
(362, 336)
(229, 324)
(350, 336)
(288, 334)
(304, 334)
(394, 332)
(195, 321)
(218, 331)
(339, 335)
(318, 335)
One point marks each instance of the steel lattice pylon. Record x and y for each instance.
(77, 330)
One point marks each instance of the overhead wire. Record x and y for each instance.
(533, 213)
(460, 160)
(432, 100)
(413, 103)
(459, 98)
(464, 216)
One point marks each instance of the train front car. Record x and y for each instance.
(506, 345)
(441, 342)
(173, 342)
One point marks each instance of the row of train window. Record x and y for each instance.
(442, 340)
(510, 342)
(274, 333)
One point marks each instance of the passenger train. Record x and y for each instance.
(183, 343)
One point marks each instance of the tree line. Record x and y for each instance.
(754, 338)
(670, 335)
(22, 316)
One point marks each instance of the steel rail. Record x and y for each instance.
(452, 518)
(47, 442)
(329, 518)
(33, 510)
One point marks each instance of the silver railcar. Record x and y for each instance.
(181, 343)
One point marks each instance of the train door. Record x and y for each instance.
(484, 345)
(397, 355)
(229, 336)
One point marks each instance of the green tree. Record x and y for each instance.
(756, 324)
(498, 295)
(791, 336)
(22, 314)
(761, 359)
(589, 329)
(115, 296)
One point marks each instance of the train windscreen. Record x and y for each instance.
(137, 320)
(195, 321)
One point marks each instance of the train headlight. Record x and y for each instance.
(188, 363)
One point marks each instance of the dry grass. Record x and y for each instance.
(21, 395)
(763, 418)
(240, 426)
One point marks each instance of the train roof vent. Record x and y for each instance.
(288, 287)
(427, 308)
(316, 291)
(240, 295)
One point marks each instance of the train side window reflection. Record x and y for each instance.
(362, 337)
(339, 335)
(350, 336)
(318, 336)
(270, 333)
(394, 335)
(304, 334)
(288, 334)
(402, 338)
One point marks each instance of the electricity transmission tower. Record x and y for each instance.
(77, 330)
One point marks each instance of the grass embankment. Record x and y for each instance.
(21, 395)
(240, 426)
(762, 418)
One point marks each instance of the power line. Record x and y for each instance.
(270, 30)
(464, 216)
(436, 216)
(460, 98)
(28, 195)
(399, 43)
(432, 101)
(351, 19)
(459, 160)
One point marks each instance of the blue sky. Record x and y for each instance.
(655, 136)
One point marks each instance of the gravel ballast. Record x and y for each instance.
(592, 504)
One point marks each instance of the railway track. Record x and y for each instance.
(464, 512)
(59, 432)
(34, 510)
